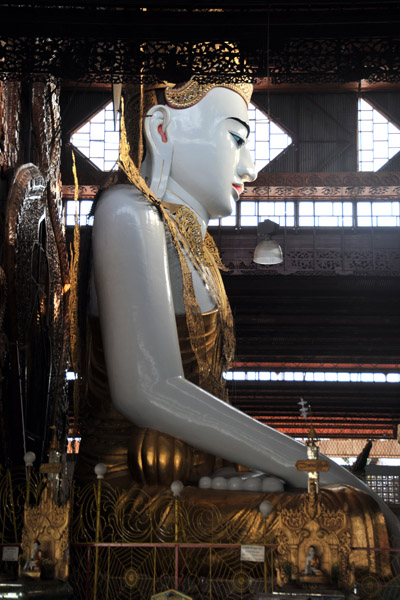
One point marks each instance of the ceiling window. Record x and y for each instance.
(315, 376)
(266, 140)
(378, 139)
(98, 139)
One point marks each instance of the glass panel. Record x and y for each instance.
(363, 208)
(109, 126)
(306, 221)
(380, 131)
(378, 163)
(111, 155)
(290, 222)
(364, 221)
(290, 208)
(343, 377)
(274, 153)
(262, 132)
(96, 149)
(386, 221)
(262, 152)
(97, 131)
(228, 221)
(99, 117)
(249, 221)
(323, 208)
(381, 208)
(112, 137)
(99, 162)
(348, 208)
(265, 376)
(280, 208)
(260, 164)
(380, 150)
(279, 141)
(366, 139)
(337, 209)
(86, 206)
(248, 208)
(379, 377)
(393, 378)
(378, 117)
(347, 221)
(326, 221)
(306, 208)
(330, 376)
(70, 207)
(367, 377)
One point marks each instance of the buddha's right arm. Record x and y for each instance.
(141, 345)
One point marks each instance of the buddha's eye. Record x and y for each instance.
(239, 141)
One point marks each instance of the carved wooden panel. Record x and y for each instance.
(37, 280)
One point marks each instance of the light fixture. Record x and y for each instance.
(100, 469)
(267, 252)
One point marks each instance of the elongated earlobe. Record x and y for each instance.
(160, 148)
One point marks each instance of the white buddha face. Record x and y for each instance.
(210, 160)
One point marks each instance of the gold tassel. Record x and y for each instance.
(74, 299)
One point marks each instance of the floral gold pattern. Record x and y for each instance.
(192, 92)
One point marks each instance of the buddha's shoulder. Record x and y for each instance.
(125, 195)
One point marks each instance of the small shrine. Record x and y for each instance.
(314, 551)
(44, 560)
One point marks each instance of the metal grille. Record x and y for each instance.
(386, 486)
(137, 571)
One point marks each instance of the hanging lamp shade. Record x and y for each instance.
(268, 252)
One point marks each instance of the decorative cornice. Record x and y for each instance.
(324, 186)
(321, 193)
(86, 192)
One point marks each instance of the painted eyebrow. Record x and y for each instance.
(242, 123)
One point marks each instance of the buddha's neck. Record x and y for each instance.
(176, 195)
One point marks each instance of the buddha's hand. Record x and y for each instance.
(252, 481)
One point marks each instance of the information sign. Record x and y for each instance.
(252, 553)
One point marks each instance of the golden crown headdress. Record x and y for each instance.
(192, 92)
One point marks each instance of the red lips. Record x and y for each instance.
(238, 188)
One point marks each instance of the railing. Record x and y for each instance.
(138, 571)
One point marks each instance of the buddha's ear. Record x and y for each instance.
(159, 146)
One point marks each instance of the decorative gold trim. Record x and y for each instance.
(192, 92)
(321, 193)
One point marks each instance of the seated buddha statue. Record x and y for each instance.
(33, 566)
(312, 563)
(160, 327)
